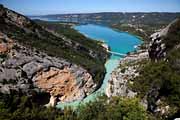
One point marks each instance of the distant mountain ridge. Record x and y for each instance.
(116, 17)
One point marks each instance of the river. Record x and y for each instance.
(120, 42)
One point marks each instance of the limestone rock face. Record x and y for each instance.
(63, 83)
(5, 43)
(26, 70)
(13, 18)
(158, 48)
(52, 102)
(121, 76)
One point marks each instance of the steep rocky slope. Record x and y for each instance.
(25, 70)
(35, 60)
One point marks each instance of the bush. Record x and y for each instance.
(115, 109)
(17, 107)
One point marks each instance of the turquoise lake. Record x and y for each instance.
(121, 42)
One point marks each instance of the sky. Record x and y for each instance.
(43, 7)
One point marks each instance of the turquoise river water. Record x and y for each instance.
(120, 42)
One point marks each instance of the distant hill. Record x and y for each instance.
(116, 17)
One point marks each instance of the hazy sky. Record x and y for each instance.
(37, 7)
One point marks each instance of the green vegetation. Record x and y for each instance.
(160, 80)
(132, 30)
(11, 81)
(16, 107)
(66, 30)
(3, 56)
(141, 30)
(115, 109)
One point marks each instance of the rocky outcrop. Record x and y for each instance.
(158, 46)
(121, 76)
(5, 44)
(157, 49)
(28, 70)
(65, 83)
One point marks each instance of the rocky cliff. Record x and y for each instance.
(164, 40)
(34, 60)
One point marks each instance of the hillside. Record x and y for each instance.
(152, 74)
(36, 59)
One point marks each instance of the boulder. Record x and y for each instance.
(32, 68)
